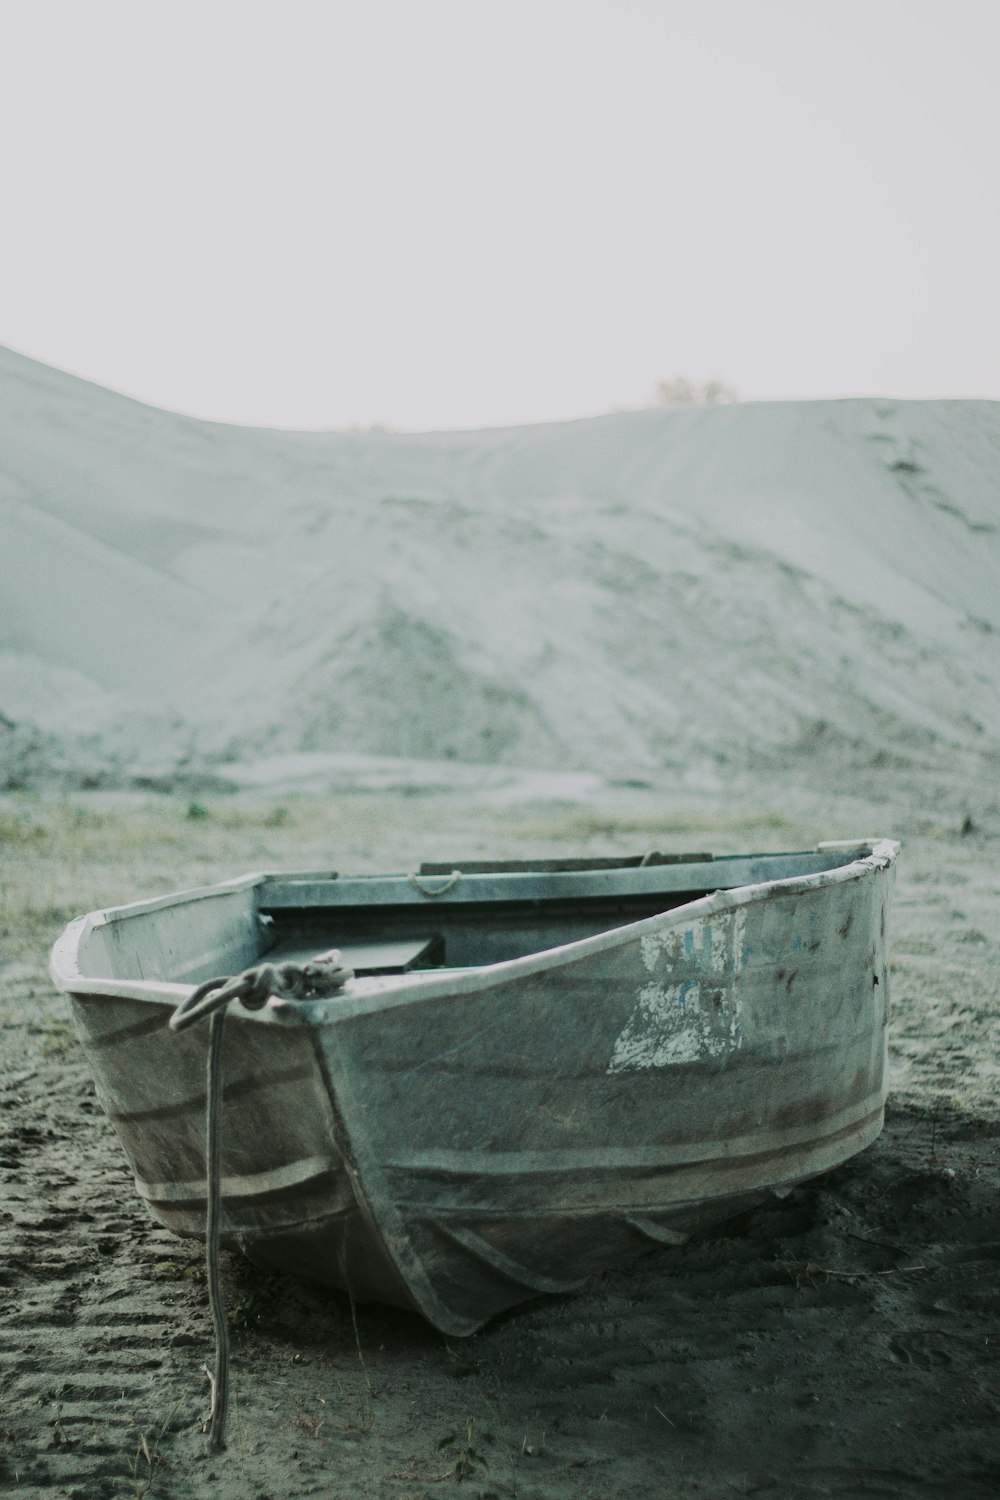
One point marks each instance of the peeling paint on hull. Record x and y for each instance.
(694, 1018)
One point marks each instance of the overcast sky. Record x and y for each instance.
(437, 213)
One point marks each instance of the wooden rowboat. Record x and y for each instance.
(538, 1070)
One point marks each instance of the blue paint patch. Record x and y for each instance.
(686, 988)
(689, 942)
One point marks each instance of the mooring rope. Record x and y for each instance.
(213, 1232)
(322, 976)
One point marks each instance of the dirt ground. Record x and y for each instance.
(838, 1343)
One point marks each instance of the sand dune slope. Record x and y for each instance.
(626, 594)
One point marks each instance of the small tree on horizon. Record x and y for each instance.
(679, 390)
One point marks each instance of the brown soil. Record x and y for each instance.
(839, 1343)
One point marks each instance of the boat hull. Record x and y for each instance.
(459, 1141)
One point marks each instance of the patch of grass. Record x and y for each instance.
(662, 831)
(246, 1312)
(311, 1426)
(144, 1463)
(20, 825)
(469, 1460)
(175, 1270)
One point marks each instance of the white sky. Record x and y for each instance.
(451, 212)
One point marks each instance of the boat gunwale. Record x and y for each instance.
(375, 993)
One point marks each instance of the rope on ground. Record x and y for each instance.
(321, 977)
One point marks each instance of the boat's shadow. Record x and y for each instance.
(778, 1244)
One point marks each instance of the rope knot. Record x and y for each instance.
(322, 976)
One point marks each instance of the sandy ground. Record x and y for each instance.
(840, 1343)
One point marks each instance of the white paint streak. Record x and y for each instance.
(693, 1019)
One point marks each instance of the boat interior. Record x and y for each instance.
(438, 916)
(476, 913)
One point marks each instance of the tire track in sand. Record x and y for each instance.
(86, 1333)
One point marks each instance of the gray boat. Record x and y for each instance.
(537, 1070)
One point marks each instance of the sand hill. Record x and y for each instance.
(636, 594)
